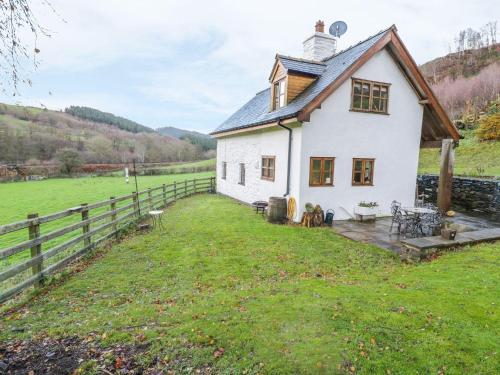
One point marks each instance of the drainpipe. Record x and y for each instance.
(289, 157)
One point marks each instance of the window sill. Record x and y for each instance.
(267, 179)
(368, 111)
(362, 185)
(327, 186)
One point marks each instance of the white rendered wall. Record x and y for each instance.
(249, 149)
(392, 140)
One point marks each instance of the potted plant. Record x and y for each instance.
(366, 210)
(447, 231)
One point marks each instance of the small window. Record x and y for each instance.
(368, 96)
(242, 174)
(279, 94)
(224, 170)
(267, 170)
(321, 171)
(362, 171)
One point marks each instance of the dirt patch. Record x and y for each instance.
(64, 356)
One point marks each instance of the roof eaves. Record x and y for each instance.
(274, 119)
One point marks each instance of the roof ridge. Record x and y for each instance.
(300, 59)
(358, 43)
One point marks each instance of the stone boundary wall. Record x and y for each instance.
(479, 195)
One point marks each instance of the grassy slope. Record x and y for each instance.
(277, 299)
(469, 155)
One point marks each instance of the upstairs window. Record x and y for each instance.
(362, 171)
(279, 94)
(242, 174)
(321, 171)
(369, 96)
(267, 170)
(224, 170)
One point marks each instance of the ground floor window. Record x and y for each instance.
(242, 174)
(321, 171)
(267, 170)
(362, 171)
(224, 170)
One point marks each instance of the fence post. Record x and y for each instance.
(136, 205)
(34, 232)
(150, 200)
(194, 186)
(175, 191)
(86, 227)
(212, 185)
(185, 188)
(113, 216)
(164, 191)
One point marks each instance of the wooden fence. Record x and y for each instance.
(112, 216)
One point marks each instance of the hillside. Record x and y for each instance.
(92, 114)
(196, 138)
(36, 135)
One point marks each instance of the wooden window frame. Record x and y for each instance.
(271, 178)
(321, 175)
(242, 169)
(370, 98)
(224, 170)
(276, 97)
(363, 168)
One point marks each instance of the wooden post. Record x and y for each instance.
(212, 184)
(175, 191)
(446, 175)
(86, 227)
(185, 187)
(34, 232)
(194, 185)
(113, 216)
(164, 192)
(150, 200)
(136, 204)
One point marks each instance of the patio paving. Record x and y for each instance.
(474, 229)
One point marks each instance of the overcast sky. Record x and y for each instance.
(191, 63)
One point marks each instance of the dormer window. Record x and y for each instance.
(279, 91)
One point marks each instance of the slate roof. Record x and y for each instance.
(256, 111)
(292, 64)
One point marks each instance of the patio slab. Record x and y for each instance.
(461, 239)
(477, 228)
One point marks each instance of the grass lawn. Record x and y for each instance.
(52, 195)
(220, 287)
(472, 158)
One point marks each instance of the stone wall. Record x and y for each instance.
(472, 194)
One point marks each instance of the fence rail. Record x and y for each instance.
(116, 212)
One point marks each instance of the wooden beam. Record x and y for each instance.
(446, 175)
(430, 144)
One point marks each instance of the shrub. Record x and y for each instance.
(489, 128)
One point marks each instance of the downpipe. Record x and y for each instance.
(289, 157)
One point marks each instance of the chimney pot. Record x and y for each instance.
(320, 27)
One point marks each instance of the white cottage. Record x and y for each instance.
(334, 129)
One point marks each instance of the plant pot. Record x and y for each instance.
(365, 213)
(448, 234)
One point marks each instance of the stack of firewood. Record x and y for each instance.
(313, 216)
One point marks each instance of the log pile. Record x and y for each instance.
(314, 217)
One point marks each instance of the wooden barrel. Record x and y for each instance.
(276, 210)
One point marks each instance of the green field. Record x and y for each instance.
(220, 288)
(52, 195)
(472, 158)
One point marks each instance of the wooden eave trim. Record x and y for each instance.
(305, 113)
(254, 128)
(408, 61)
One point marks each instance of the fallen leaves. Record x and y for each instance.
(219, 352)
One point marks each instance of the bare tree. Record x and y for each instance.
(16, 21)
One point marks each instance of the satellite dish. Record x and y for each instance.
(338, 28)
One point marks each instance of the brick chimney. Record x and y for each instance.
(320, 45)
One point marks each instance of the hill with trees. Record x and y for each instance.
(92, 114)
(30, 135)
(194, 137)
(467, 83)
